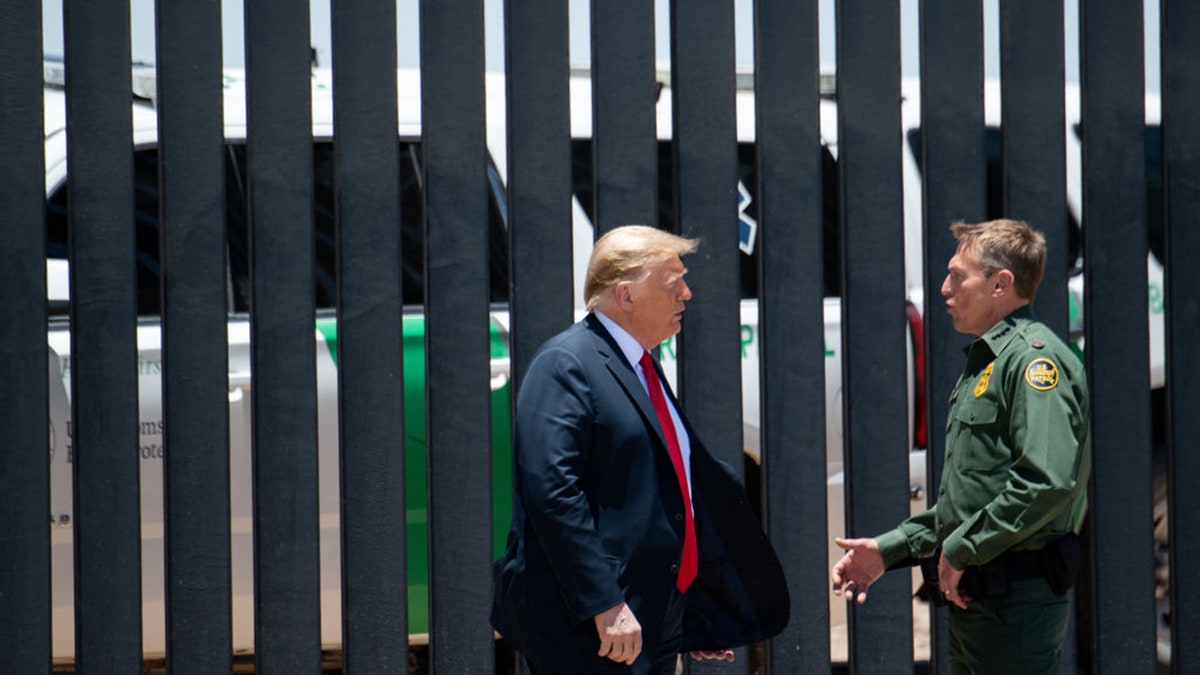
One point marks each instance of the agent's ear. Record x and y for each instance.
(1004, 282)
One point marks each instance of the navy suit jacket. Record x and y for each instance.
(598, 520)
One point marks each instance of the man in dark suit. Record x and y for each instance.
(630, 542)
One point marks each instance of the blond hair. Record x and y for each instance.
(1007, 245)
(626, 254)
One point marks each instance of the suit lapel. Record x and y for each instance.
(626, 376)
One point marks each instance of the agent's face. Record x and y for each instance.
(971, 297)
(656, 302)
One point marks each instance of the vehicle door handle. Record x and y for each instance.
(500, 371)
(239, 385)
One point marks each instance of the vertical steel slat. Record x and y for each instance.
(1116, 307)
(1181, 155)
(370, 338)
(287, 629)
(791, 322)
(539, 189)
(103, 366)
(1032, 105)
(704, 150)
(873, 315)
(539, 176)
(705, 157)
(954, 171)
(625, 156)
(1034, 169)
(24, 413)
(195, 352)
(456, 336)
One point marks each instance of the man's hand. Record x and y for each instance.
(858, 569)
(948, 579)
(620, 634)
(718, 654)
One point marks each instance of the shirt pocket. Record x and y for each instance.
(979, 445)
(978, 412)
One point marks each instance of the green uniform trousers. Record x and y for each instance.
(1019, 633)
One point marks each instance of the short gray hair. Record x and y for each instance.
(1007, 245)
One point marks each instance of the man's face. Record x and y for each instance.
(657, 302)
(971, 297)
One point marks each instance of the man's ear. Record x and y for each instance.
(624, 295)
(1004, 282)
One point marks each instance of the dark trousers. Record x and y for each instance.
(1020, 632)
(668, 649)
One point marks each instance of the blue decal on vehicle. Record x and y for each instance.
(747, 226)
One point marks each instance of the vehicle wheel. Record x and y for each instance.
(753, 482)
(1162, 567)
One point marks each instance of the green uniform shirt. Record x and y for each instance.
(1018, 451)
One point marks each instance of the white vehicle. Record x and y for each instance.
(149, 336)
(152, 448)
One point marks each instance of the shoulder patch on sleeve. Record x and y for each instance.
(1041, 374)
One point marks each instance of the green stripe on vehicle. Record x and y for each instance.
(328, 330)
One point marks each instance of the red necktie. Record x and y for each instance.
(688, 564)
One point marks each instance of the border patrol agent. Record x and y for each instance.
(999, 546)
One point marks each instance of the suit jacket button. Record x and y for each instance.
(679, 517)
(674, 569)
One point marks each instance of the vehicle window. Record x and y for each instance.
(56, 233)
(412, 209)
(1155, 215)
(145, 186)
(994, 149)
(584, 190)
(412, 218)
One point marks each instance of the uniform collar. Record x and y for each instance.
(998, 336)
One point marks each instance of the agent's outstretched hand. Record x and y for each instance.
(854, 573)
